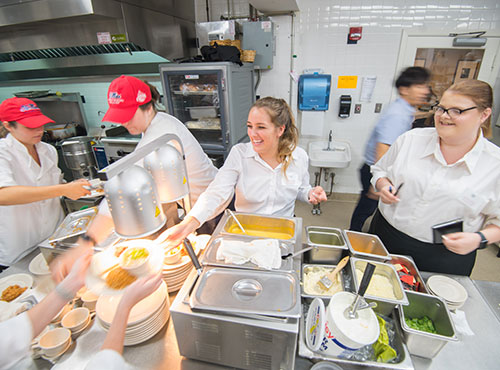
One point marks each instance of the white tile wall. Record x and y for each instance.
(320, 33)
(320, 29)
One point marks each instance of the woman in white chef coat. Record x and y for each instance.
(266, 175)
(30, 181)
(449, 172)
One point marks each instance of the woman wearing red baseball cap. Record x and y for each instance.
(30, 181)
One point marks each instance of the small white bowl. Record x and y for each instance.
(63, 312)
(54, 341)
(137, 266)
(76, 319)
(173, 255)
(89, 300)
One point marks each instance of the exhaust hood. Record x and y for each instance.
(66, 38)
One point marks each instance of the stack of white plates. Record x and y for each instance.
(448, 289)
(175, 275)
(145, 320)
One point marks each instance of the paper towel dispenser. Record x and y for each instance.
(314, 91)
(345, 106)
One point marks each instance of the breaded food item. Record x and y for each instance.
(12, 292)
(119, 278)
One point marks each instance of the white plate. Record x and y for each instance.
(447, 288)
(94, 193)
(38, 266)
(106, 306)
(23, 280)
(103, 260)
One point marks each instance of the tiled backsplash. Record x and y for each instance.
(321, 28)
(320, 33)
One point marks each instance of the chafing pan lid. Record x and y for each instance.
(240, 291)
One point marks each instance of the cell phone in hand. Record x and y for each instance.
(448, 227)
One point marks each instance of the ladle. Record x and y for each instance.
(236, 220)
(303, 250)
(350, 311)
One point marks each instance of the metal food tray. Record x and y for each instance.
(74, 224)
(384, 305)
(307, 266)
(405, 362)
(408, 262)
(210, 256)
(366, 246)
(262, 223)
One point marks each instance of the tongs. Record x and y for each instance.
(350, 311)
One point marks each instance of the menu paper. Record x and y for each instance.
(367, 88)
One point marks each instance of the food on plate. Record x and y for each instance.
(12, 292)
(311, 277)
(174, 251)
(134, 257)
(380, 285)
(119, 278)
(119, 250)
(422, 324)
(173, 255)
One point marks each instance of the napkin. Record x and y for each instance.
(461, 323)
(265, 253)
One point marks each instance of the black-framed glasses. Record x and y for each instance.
(452, 112)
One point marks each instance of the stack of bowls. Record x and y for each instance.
(145, 320)
(448, 289)
(76, 320)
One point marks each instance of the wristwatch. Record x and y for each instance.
(484, 242)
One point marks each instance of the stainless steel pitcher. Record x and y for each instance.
(134, 203)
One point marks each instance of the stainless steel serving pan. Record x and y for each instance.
(330, 243)
(366, 246)
(253, 292)
(384, 305)
(408, 262)
(74, 224)
(306, 268)
(421, 343)
(210, 255)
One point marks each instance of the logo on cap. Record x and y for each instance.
(27, 107)
(141, 97)
(115, 98)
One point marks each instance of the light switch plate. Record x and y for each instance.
(378, 107)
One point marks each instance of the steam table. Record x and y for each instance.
(161, 352)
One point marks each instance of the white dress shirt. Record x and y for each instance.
(107, 359)
(15, 343)
(23, 226)
(200, 169)
(436, 192)
(258, 187)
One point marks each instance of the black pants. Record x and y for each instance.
(209, 226)
(2, 268)
(366, 206)
(428, 256)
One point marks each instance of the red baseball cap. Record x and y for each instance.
(125, 95)
(24, 112)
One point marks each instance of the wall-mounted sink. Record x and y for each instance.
(339, 155)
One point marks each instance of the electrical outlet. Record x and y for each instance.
(378, 107)
(357, 108)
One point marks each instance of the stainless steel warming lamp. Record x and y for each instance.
(132, 192)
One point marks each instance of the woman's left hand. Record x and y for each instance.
(461, 243)
(317, 195)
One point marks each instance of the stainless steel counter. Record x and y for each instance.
(161, 352)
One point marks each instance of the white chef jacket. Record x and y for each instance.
(436, 192)
(23, 226)
(258, 187)
(15, 343)
(200, 169)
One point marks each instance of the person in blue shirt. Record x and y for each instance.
(413, 89)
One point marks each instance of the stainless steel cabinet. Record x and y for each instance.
(212, 100)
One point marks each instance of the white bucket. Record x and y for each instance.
(342, 335)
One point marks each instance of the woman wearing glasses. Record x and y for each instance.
(449, 172)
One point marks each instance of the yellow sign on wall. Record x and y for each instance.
(347, 82)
